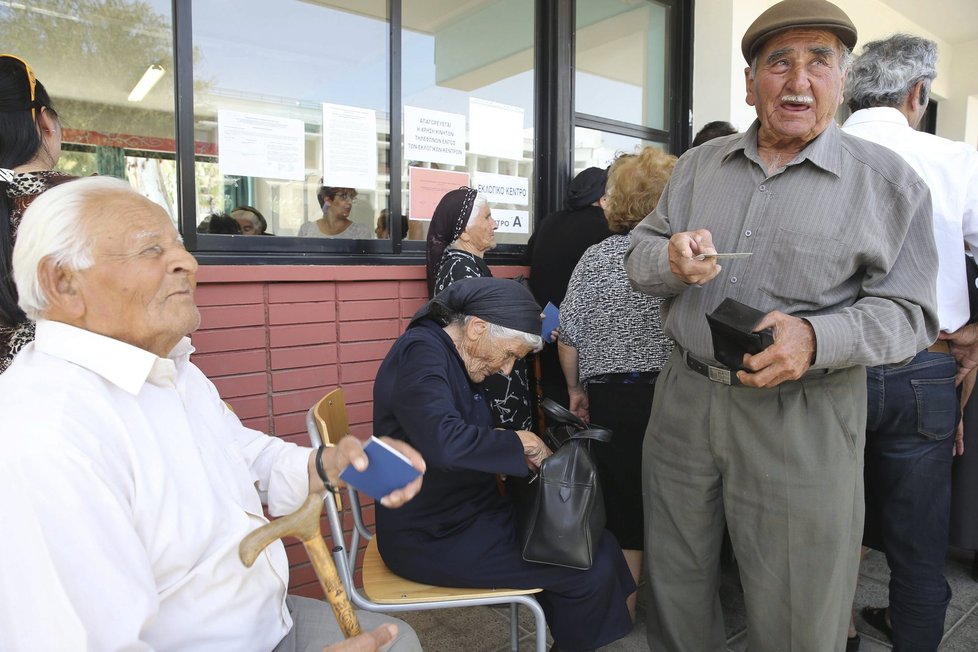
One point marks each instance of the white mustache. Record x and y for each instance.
(798, 99)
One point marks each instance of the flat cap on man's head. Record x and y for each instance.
(798, 14)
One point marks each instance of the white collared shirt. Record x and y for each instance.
(950, 170)
(127, 487)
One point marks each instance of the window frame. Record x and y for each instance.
(554, 123)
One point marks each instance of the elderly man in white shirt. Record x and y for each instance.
(913, 410)
(128, 484)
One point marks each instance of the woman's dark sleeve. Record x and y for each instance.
(424, 405)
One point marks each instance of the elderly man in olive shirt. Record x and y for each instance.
(843, 265)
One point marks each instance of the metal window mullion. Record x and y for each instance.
(183, 93)
(395, 151)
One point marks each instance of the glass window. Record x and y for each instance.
(593, 148)
(467, 76)
(291, 115)
(621, 57)
(108, 68)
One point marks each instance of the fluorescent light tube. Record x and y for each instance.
(152, 75)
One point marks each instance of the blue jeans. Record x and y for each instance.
(912, 415)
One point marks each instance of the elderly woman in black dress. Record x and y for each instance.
(30, 146)
(461, 232)
(460, 530)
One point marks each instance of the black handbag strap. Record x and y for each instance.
(560, 414)
(597, 434)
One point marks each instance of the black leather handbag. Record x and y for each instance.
(561, 513)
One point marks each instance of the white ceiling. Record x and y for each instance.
(955, 21)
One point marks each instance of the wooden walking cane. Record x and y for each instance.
(303, 524)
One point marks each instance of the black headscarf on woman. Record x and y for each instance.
(586, 188)
(447, 224)
(499, 301)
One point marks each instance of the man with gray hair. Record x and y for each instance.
(834, 248)
(128, 484)
(913, 409)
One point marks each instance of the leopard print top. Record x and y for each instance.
(22, 189)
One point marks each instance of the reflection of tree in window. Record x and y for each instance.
(90, 54)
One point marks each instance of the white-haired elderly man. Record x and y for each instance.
(841, 268)
(913, 409)
(128, 484)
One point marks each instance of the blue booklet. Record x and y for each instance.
(387, 470)
(551, 320)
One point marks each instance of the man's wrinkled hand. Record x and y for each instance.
(791, 355)
(373, 641)
(400, 496)
(682, 247)
(964, 348)
(349, 450)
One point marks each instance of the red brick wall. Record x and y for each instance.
(275, 339)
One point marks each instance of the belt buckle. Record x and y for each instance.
(718, 375)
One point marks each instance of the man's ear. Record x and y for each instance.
(749, 86)
(916, 93)
(61, 287)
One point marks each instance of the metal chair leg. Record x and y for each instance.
(514, 629)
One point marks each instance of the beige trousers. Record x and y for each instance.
(784, 468)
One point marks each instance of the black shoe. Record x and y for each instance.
(876, 617)
(852, 643)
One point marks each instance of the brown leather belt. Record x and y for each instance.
(940, 346)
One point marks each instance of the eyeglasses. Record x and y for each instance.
(345, 196)
(30, 78)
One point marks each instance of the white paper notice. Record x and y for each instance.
(349, 146)
(434, 136)
(253, 145)
(511, 221)
(502, 188)
(495, 129)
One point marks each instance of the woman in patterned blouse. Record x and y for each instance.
(30, 146)
(611, 345)
(461, 232)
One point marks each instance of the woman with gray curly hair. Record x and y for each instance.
(611, 345)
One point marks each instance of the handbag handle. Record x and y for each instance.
(560, 414)
(597, 434)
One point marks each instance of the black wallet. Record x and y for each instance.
(732, 325)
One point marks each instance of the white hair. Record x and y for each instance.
(478, 204)
(54, 226)
(497, 332)
(888, 69)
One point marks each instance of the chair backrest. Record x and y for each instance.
(330, 416)
(327, 423)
